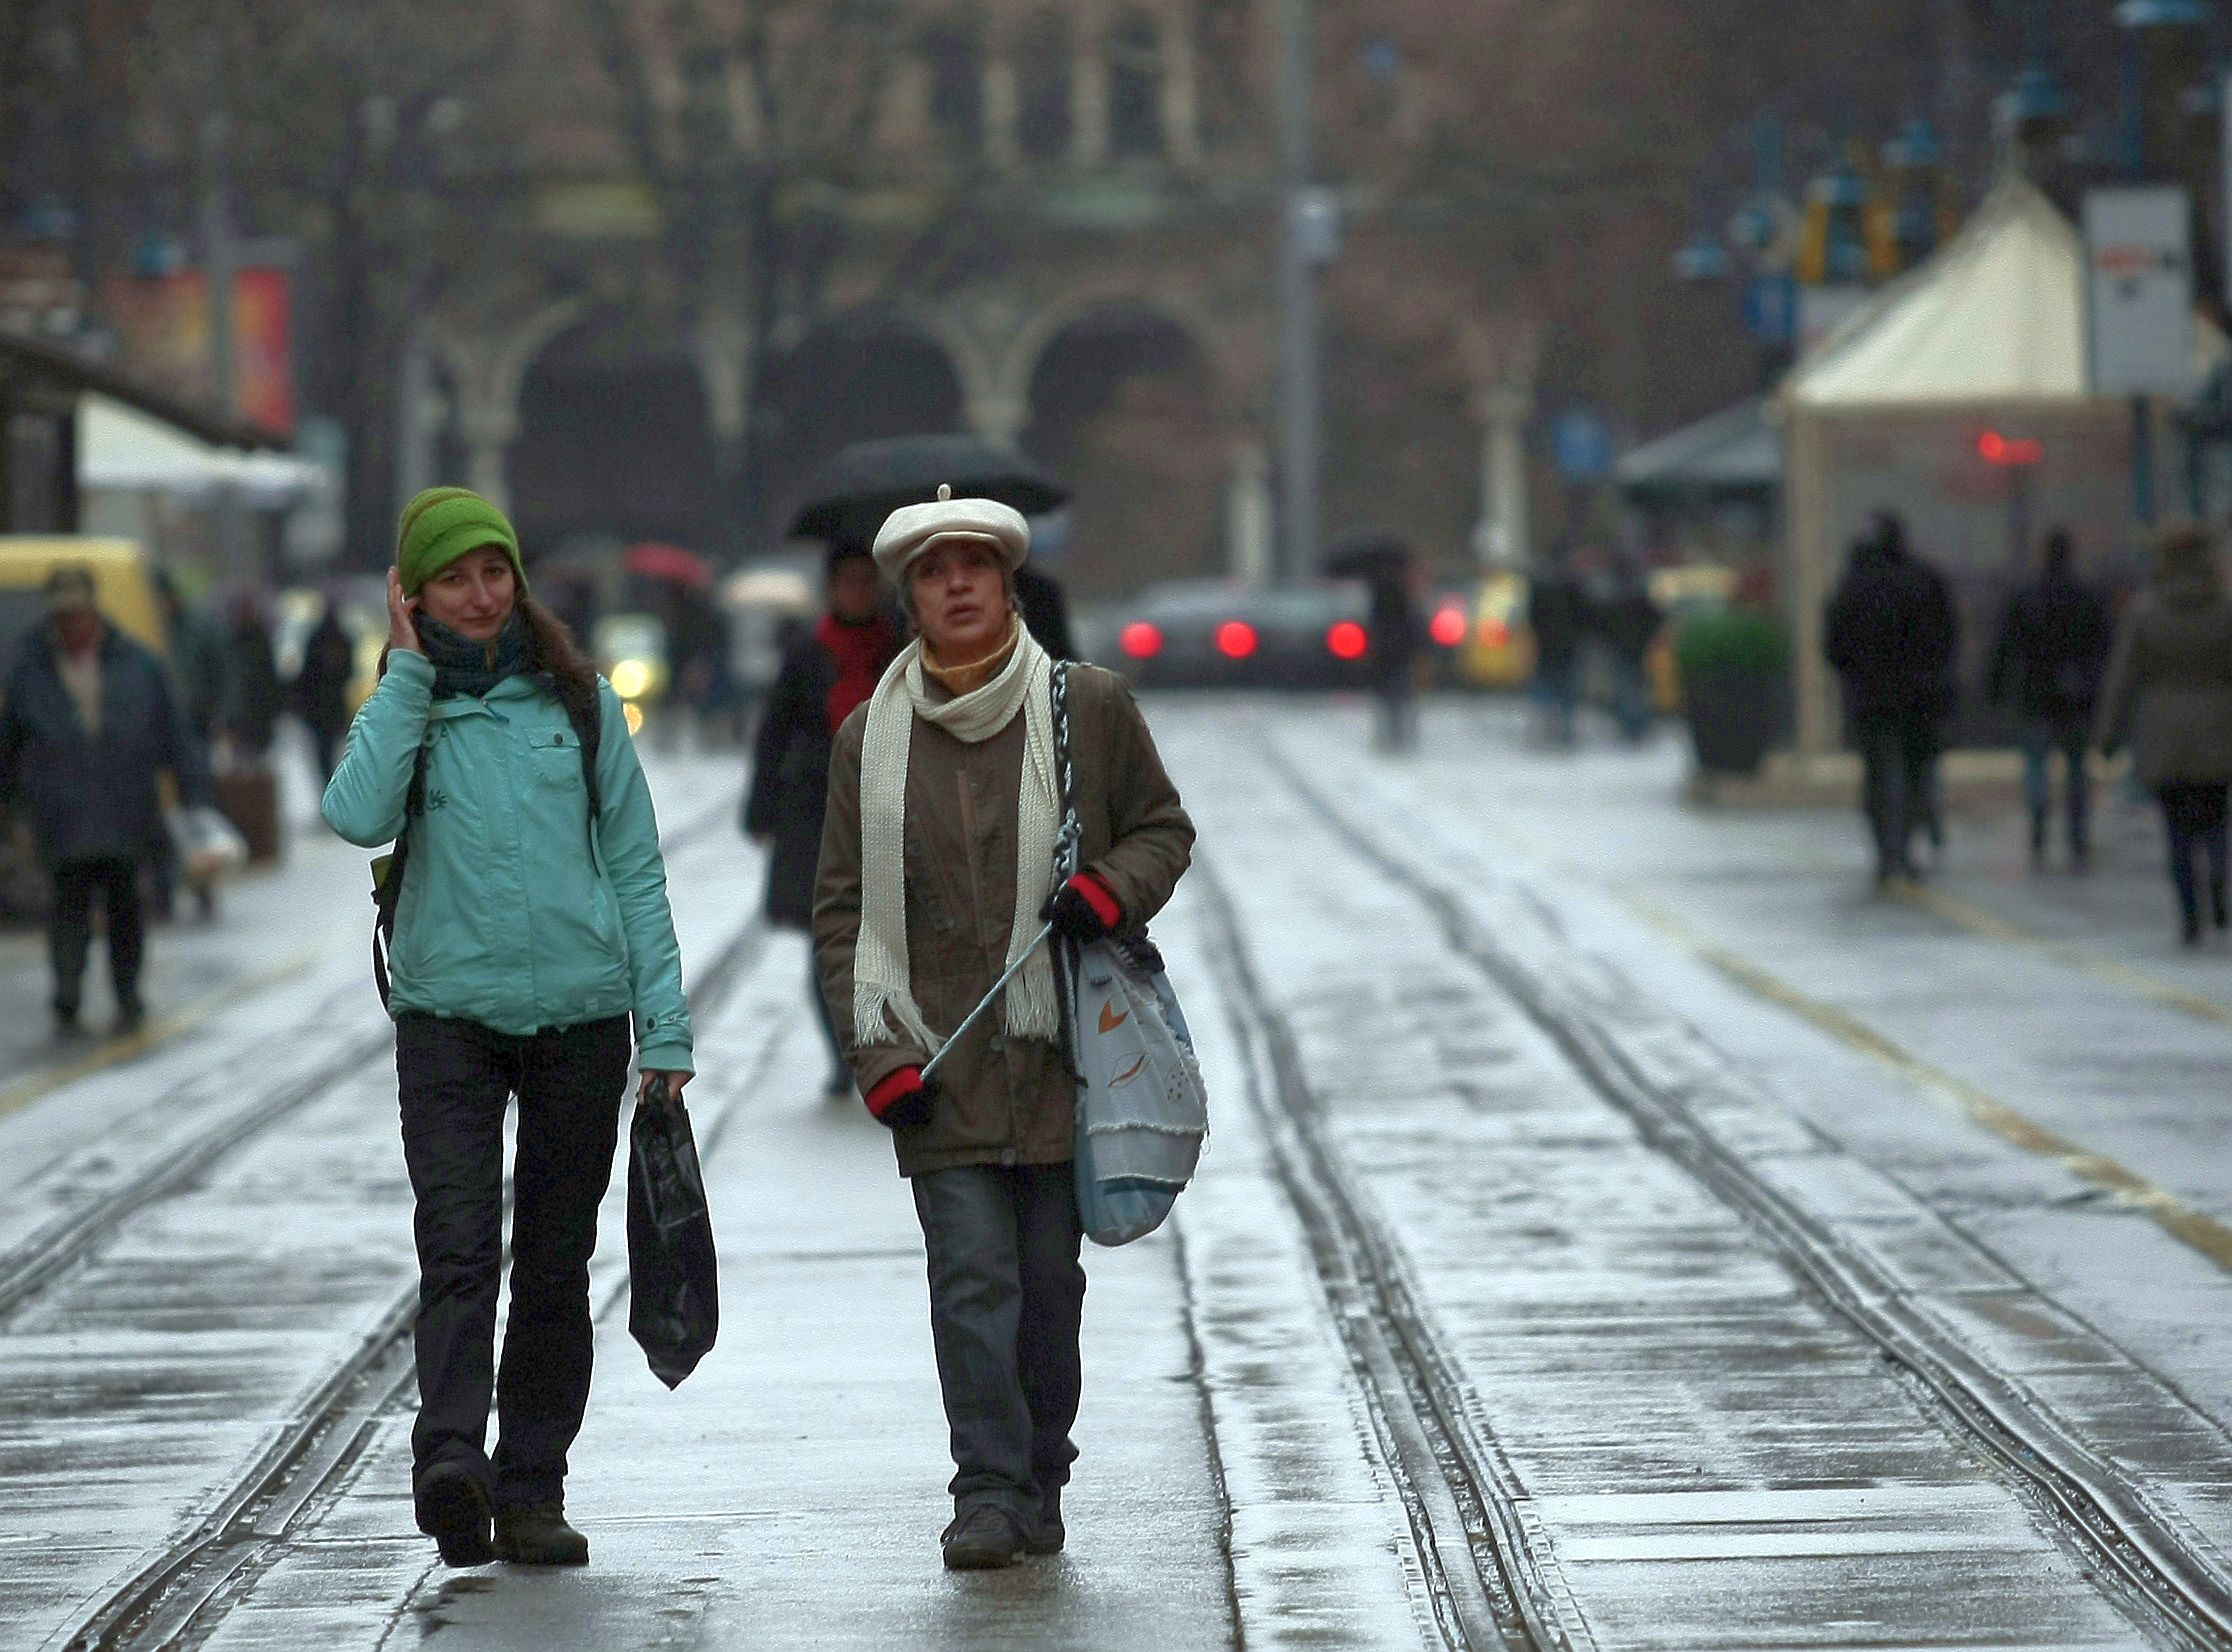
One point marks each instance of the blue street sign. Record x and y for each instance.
(1771, 308)
(1581, 445)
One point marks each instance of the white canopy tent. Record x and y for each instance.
(120, 449)
(1958, 397)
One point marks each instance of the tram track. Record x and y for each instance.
(167, 1600)
(2143, 1552)
(49, 1251)
(1486, 1585)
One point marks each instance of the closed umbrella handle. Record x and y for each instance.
(974, 1016)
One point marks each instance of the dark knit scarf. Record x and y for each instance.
(463, 666)
(861, 650)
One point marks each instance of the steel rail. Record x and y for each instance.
(1485, 1584)
(165, 1596)
(2149, 1554)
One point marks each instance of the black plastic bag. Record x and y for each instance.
(673, 1274)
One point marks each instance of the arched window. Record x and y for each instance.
(1042, 69)
(953, 51)
(1135, 85)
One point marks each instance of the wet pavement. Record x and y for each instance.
(1621, 1229)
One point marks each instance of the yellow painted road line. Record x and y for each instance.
(2181, 1221)
(1953, 910)
(114, 1052)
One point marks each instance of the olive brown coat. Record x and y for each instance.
(1001, 1101)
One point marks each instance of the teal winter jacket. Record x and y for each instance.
(513, 912)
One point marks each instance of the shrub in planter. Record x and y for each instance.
(1735, 665)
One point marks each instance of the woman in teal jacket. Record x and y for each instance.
(526, 935)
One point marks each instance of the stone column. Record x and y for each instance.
(1250, 526)
(1003, 109)
(998, 416)
(1088, 87)
(1181, 95)
(1502, 534)
(488, 430)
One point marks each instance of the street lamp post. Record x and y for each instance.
(1307, 234)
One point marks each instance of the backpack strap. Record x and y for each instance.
(389, 891)
(586, 714)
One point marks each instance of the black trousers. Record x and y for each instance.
(2193, 817)
(454, 1078)
(1898, 753)
(70, 927)
(1007, 1296)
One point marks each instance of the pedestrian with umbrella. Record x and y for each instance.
(824, 676)
(530, 924)
(937, 878)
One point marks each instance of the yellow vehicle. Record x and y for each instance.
(123, 585)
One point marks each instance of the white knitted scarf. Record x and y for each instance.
(883, 987)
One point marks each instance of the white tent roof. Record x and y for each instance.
(122, 448)
(1998, 315)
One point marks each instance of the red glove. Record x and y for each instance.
(902, 1101)
(1083, 909)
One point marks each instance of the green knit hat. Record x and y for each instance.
(441, 525)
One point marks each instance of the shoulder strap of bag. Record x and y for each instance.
(1069, 845)
(390, 890)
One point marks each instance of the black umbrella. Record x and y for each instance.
(850, 496)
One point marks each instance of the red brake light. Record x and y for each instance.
(1236, 639)
(1141, 641)
(1348, 640)
(1449, 627)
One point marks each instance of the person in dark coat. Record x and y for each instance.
(1045, 611)
(2169, 687)
(825, 674)
(200, 664)
(321, 687)
(2046, 665)
(1890, 635)
(1393, 625)
(1557, 618)
(1627, 622)
(252, 701)
(89, 723)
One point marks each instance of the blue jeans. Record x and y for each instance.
(1007, 1296)
(2041, 739)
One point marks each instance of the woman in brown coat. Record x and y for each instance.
(937, 871)
(2170, 678)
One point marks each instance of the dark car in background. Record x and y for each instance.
(1224, 634)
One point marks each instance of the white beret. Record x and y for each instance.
(913, 529)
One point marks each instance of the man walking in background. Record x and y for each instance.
(1890, 635)
(2047, 665)
(89, 724)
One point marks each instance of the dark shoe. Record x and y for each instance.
(66, 1022)
(536, 1534)
(2189, 931)
(2217, 906)
(983, 1539)
(131, 1015)
(1047, 1534)
(452, 1507)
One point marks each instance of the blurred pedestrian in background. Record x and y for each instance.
(199, 664)
(1889, 634)
(320, 690)
(1396, 636)
(825, 675)
(937, 870)
(532, 922)
(252, 697)
(2169, 689)
(1558, 619)
(1628, 622)
(90, 723)
(2046, 665)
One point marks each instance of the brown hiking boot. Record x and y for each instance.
(536, 1534)
(983, 1539)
